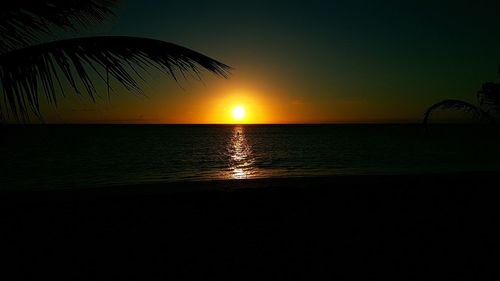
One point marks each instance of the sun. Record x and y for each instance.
(238, 112)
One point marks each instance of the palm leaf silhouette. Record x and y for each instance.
(22, 20)
(23, 70)
(487, 110)
(453, 104)
(489, 97)
(27, 69)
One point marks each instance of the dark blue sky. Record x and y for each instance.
(351, 60)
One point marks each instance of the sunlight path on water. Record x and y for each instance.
(240, 155)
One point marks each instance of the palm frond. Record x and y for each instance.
(22, 20)
(464, 106)
(489, 97)
(44, 67)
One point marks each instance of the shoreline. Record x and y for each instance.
(272, 182)
(457, 180)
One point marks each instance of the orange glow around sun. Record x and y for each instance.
(238, 103)
(237, 106)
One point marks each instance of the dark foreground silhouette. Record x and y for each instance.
(487, 110)
(432, 227)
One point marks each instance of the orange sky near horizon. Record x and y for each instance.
(213, 107)
(212, 101)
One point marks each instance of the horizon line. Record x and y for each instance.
(241, 124)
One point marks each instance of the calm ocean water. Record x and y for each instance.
(88, 156)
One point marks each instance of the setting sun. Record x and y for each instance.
(238, 112)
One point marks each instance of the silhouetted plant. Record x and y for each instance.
(487, 110)
(27, 69)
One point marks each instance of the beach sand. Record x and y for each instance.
(409, 227)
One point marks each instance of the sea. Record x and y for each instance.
(88, 156)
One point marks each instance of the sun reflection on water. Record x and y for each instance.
(240, 155)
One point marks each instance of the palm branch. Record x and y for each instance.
(489, 97)
(25, 72)
(458, 105)
(21, 21)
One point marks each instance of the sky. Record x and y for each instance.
(304, 61)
